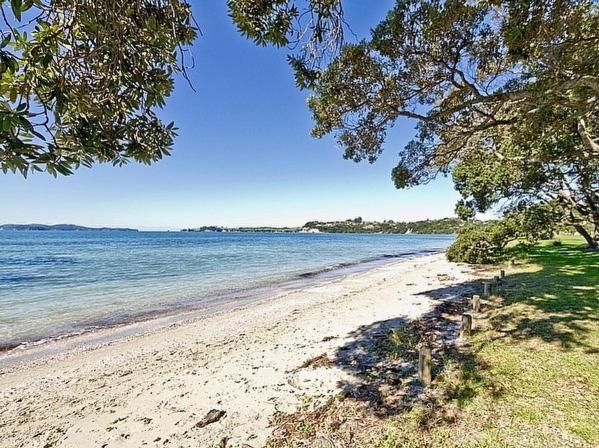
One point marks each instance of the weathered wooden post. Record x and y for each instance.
(425, 364)
(486, 289)
(476, 303)
(512, 262)
(466, 329)
(502, 274)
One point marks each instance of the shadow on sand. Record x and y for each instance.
(556, 301)
(383, 357)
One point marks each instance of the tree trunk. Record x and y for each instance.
(591, 242)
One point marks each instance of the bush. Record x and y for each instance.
(482, 242)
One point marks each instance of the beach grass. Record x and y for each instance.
(532, 378)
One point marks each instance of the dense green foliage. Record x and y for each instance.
(429, 226)
(482, 242)
(80, 81)
(549, 173)
(486, 242)
(470, 67)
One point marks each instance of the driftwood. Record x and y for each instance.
(211, 417)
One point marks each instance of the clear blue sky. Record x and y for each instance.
(243, 156)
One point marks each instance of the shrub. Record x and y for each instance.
(482, 242)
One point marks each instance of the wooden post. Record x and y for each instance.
(425, 362)
(466, 325)
(486, 289)
(502, 274)
(476, 303)
(512, 262)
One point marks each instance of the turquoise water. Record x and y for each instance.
(54, 283)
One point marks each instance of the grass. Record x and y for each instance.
(533, 378)
(400, 342)
(530, 377)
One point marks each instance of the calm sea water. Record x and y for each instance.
(54, 283)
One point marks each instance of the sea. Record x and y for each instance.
(59, 283)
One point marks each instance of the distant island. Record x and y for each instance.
(66, 227)
(356, 225)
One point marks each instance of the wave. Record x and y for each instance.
(367, 260)
(36, 261)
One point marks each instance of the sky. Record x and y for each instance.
(243, 157)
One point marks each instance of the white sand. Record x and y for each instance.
(151, 390)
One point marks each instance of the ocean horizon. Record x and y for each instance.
(57, 283)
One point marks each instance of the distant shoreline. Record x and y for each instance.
(62, 227)
(444, 226)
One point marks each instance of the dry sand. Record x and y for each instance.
(153, 389)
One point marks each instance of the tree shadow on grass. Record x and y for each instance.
(555, 304)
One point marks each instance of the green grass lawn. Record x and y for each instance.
(532, 377)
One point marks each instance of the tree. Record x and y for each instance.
(312, 29)
(550, 173)
(486, 242)
(80, 81)
(482, 242)
(506, 85)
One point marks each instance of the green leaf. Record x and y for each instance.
(6, 124)
(5, 41)
(17, 9)
(28, 4)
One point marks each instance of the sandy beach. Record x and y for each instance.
(154, 389)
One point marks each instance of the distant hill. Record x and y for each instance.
(67, 227)
(357, 225)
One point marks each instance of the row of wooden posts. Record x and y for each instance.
(425, 359)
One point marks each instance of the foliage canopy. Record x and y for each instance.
(80, 81)
(312, 29)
